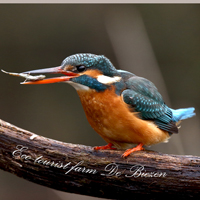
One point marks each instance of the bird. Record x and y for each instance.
(126, 110)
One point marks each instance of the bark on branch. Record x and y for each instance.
(81, 170)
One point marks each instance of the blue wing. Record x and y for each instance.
(143, 96)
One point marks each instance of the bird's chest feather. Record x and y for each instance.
(103, 109)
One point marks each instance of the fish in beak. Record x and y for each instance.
(53, 70)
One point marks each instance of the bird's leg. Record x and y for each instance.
(129, 151)
(108, 146)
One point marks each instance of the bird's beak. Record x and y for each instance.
(53, 70)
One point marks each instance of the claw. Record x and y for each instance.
(108, 146)
(129, 151)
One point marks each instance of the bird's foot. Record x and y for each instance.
(129, 151)
(108, 146)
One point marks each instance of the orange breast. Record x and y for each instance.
(111, 118)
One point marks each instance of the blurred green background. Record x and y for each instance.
(158, 42)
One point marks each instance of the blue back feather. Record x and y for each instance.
(143, 96)
(182, 113)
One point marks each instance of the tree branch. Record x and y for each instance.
(81, 170)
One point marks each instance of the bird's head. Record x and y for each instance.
(83, 71)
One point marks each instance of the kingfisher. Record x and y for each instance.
(126, 110)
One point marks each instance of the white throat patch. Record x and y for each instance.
(78, 86)
(108, 80)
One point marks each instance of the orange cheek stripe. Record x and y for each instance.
(94, 73)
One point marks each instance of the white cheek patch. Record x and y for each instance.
(108, 80)
(78, 86)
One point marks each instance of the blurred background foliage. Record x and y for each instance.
(158, 42)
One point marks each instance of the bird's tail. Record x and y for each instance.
(182, 113)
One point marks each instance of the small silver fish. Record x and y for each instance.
(28, 77)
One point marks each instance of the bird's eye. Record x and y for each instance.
(80, 68)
